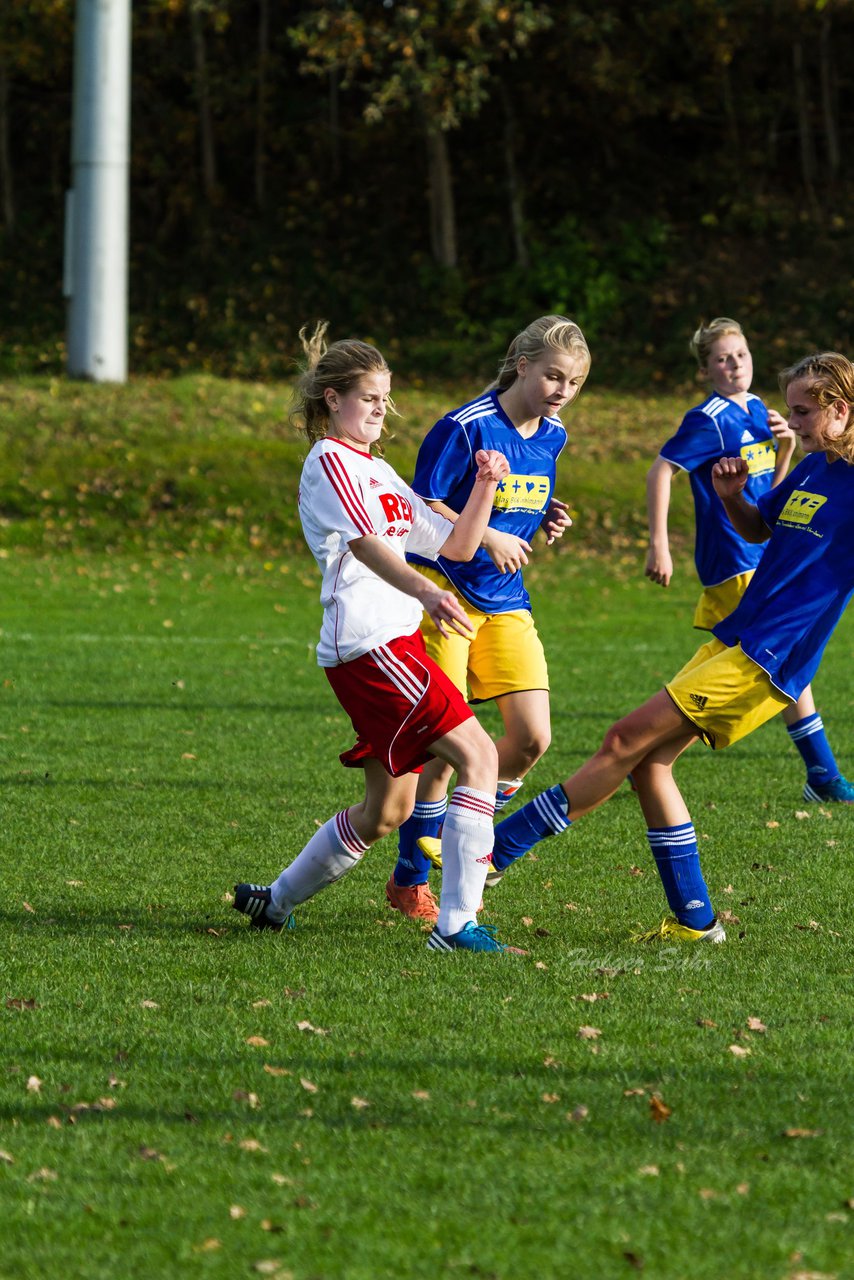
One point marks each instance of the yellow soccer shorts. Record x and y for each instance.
(717, 603)
(503, 655)
(725, 694)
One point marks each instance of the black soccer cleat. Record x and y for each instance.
(253, 900)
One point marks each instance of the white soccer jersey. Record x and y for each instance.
(346, 494)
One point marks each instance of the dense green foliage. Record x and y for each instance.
(433, 175)
(181, 1097)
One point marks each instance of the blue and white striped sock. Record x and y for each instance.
(809, 737)
(425, 820)
(678, 861)
(545, 815)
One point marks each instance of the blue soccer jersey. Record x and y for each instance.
(805, 577)
(445, 471)
(714, 429)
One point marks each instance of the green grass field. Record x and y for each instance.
(182, 1096)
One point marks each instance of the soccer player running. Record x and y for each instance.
(500, 656)
(359, 518)
(758, 660)
(735, 422)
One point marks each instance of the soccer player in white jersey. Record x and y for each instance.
(501, 658)
(733, 421)
(758, 659)
(359, 518)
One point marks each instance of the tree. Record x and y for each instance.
(434, 60)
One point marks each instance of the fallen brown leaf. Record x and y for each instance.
(802, 1133)
(251, 1144)
(257, 1042)
(589, 1033)
(659, 1110)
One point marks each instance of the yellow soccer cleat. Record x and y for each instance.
(670, 930)
(431, 847)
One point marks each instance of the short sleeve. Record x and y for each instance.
(697, 441)
(444, 461)
(336, 496)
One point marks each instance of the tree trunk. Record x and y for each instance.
(334, 123)
(261, 104)
(443, 218)
(828, 99)
(203, 99)
(804, 131)
(514, 188)
(729, 110)
(6, 183)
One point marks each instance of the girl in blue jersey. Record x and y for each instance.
(758, 660)
(735, 422)
(502, 658)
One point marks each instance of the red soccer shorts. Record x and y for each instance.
(399, 702)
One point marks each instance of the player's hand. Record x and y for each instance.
(555, 520)
(445, 610)
(659, 567)
(729, 476)
(491, 465)
(507, 552)
(780, 428)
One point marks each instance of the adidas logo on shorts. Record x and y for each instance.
(698, 700)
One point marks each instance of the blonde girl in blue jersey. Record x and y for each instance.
(732, 420)
(758, 660)
(502, 658)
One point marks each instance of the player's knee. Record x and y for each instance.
(480, 755)
(618, 743)
(534, 745)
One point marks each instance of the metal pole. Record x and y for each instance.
(96, 220)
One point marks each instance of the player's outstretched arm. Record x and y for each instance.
(659, 562)
(468, 532)
(729, 476)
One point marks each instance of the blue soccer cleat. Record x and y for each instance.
(472, 937)
(254, 901)
(839, 791)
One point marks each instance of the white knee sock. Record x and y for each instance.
(330, 853)
(467, 839)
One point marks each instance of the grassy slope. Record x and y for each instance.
(200, 463)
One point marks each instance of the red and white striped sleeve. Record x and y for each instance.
(337, 496)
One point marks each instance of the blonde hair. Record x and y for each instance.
(339, 366)
(555, 332)
(707, 335)
(830, 378)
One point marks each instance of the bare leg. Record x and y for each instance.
(659, 797)
(657, 723)
(805, 706)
